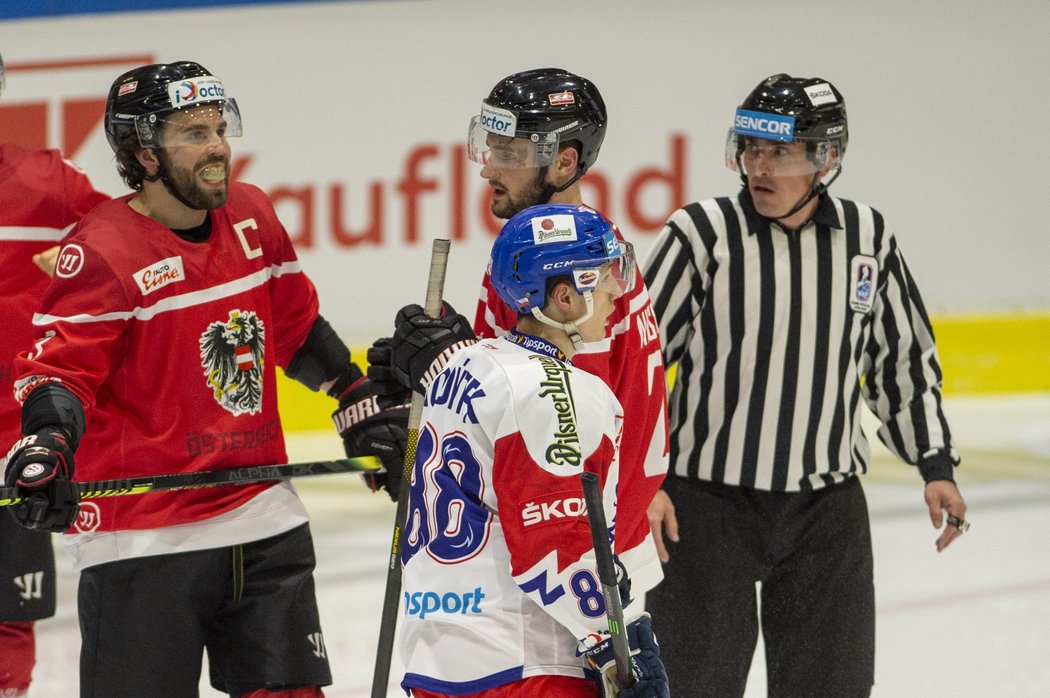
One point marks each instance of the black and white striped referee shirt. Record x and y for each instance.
(781, 336)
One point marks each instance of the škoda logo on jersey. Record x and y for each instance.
(232, 357)
(553, 508)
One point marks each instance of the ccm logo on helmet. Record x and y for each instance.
(761, 125)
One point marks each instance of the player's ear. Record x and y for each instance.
(566, 161)
(148, 159)
(561, 298)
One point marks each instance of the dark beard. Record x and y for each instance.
(186, 185)
(532, 196)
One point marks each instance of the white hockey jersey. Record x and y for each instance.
(499, 571)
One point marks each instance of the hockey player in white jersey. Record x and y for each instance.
(500, 590)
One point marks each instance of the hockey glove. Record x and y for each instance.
(368, 430)
(600, 663)
(388, 389)
(41, 466)
(421, 345)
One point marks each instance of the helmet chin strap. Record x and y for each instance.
(570, 327)
(550, 190)
(817, 188)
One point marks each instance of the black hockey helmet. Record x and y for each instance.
(791, 110)
(140, 99)
(547, 106)
(816, 107)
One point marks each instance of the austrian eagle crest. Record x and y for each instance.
(232, 357)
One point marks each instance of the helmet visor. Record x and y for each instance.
(751, 155)
(616, 276)
(195, 125)
(491, 142)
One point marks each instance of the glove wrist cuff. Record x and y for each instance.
(439, 362)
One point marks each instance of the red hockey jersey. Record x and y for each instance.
(41, 197)
(630, 363)
(171, 346)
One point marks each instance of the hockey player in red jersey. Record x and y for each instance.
(41, 196)
(501, 596)
(155, 352)
(537, 134)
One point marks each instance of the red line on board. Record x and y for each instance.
(62, 64)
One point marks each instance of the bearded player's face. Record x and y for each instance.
(514, 179)
(196, 156)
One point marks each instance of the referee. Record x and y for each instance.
(787, 311)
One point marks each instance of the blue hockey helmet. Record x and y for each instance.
(557, 240)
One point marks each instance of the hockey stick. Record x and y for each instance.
(208, 478)
(592, 495)
(392, 595)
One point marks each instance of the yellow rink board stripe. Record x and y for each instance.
(980, 355)
(994, 354)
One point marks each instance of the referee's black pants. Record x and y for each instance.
(812, 553)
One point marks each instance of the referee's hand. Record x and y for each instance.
(661, 516)
(942, 496)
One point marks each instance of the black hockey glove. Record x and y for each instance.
(422, 345)
(385, 384)
(649, 671)
(368, 430)
(41, 466)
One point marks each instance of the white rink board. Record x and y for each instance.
(356, 116)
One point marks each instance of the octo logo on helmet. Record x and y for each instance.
(204, 89)
(499, 121)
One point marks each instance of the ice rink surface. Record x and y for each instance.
(972, 622)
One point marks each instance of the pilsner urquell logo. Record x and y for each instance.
(565, 449)
(555, 228)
